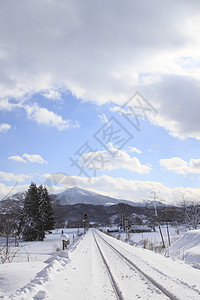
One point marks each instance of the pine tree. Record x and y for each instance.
(37, 216)
(30, 214)
(47, 221)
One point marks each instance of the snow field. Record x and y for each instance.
(185, 244)
(188, 248)
(31, 258)
(33, 289)
(40, 271)
(138, 239)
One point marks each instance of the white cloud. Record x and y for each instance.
(17, 158)
(39, 114)
(5, 189)
(146, 52)
(135, 190)
(133, 149)
(113, 159)
(135, 108)
(58, 182)
(44, 116)
(13, 177)
(180, 166)
(120, 188)
(53, 95)
(103, 118)
(34, 158)
(4, 127)
(7, 105)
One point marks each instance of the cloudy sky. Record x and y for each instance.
(104, 95)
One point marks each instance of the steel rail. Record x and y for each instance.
(117, 292)
(149, 278)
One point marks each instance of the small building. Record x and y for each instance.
(139, 229)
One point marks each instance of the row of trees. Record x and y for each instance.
(37, 215)
(185, 212)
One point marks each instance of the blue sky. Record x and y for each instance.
(66, 72)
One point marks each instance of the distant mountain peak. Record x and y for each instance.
(77, 195)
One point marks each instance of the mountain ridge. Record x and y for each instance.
(78, 195)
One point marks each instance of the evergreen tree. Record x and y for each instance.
(37, 215)
(30, 214)
(47, 221)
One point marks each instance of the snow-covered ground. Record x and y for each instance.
(138, 239)
(188, 248)
(40, 271)
(32, 257)
(185, 244)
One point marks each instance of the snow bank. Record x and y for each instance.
(187, 247)
(33, 257)
(55, 263)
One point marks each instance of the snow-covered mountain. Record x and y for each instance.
(77, 195)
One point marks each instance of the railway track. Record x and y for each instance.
(157, 289)
(114, 285)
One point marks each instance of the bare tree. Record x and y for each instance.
(8, 226)
(191, 212)
(155, 199)
(124, 215)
